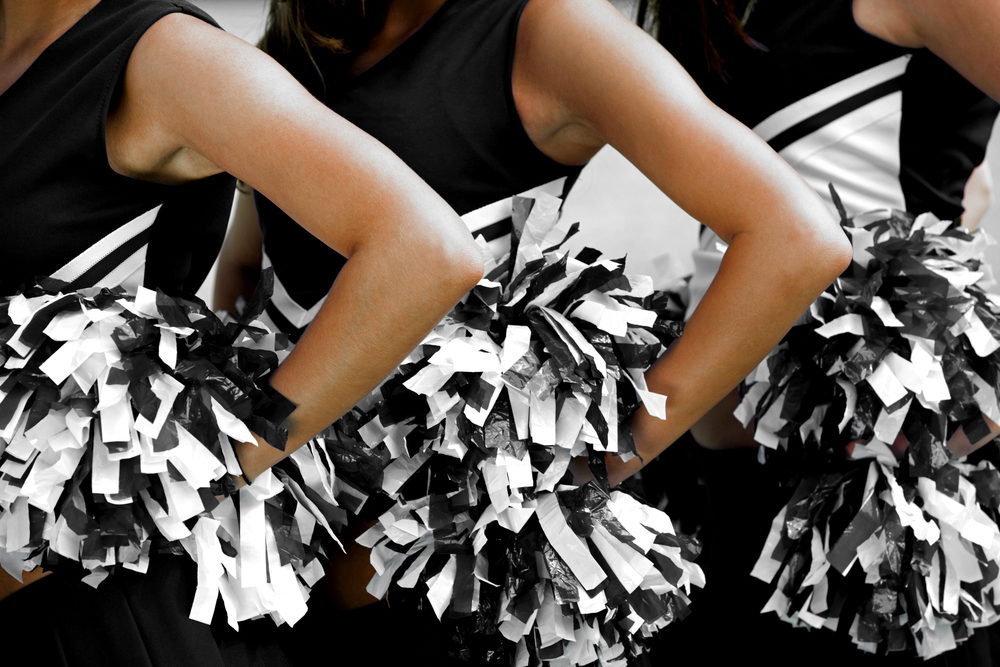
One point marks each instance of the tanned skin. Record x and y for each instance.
(583, 77)
(197, 101)
(963, 33)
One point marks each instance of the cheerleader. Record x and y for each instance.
(119, 117)
(486, 99)
(889, 102)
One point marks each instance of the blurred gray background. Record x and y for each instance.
(620, 211)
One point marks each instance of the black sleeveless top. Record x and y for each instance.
(63, 210)
(443, 102)
(889, 126)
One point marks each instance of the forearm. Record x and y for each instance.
(719, 429)
(757, 295)
(383, 303)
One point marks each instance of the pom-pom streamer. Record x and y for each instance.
(873, 402)
(472, 440)
(117, 413)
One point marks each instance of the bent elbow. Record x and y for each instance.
(837, 254)
(467, 268)
(842, 254)
(822, 264)
(459, 264)
(826, 252)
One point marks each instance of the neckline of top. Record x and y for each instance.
(50, 46)
(410, 39)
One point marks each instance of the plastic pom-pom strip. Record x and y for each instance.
(871, 403)
(117, 412)
(470, 444)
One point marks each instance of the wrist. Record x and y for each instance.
(254, 458)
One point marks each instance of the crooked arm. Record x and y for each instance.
(197, 101)
(587, 76)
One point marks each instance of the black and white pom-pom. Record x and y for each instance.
(471, 441)
(116, 414)
(870, 403)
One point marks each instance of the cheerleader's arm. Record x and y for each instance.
(196, 101)
(719, 429)
(585, 76)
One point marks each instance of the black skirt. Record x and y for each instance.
(732, 499)
(376, 635)
(133, 620)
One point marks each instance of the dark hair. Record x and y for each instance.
(297, 28)
(697, 32)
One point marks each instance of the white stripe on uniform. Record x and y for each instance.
(828, 97)
(298, 316)
(93, 255)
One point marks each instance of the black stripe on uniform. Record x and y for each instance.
(806, 127)
(283, 323)
(111, 261)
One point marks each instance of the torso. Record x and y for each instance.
(443, 101)
(66, 211)
(888, 125)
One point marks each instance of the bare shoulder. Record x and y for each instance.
(187, 85)
(183, 54)
(579, 45)
(570, 57)
(566, 28)
(178, 30)
(564, 11)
